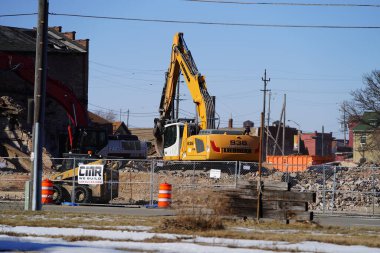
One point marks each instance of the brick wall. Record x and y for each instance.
(70, 68)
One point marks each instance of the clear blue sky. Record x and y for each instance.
(315, 68)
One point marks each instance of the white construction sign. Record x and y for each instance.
(90, 174)
(215, 173)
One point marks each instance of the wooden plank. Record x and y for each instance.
(270, 194)
(274, 214)
(276, 186)
(284, 205)
(293, 205)
(299, 215)
(289, 196)
(265, 185)
(288, 215)
(273, 195)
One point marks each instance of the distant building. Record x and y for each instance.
(366, 138)
(317, 144)
(341, 150)
(248, 123)
(99, 122)
(120, 128)
(67, 80)
(274, 145)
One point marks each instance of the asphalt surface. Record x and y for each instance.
(121, 210)
(322, 219)
(348, 221)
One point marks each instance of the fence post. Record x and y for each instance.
(73, 181)
(236, 172)
(333, 193)
(324, 190)
(111, 184)
(287, 173)
(152, 163)
(373, 190)
(193, 179)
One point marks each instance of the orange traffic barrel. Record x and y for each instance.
(165, 195)
(47, 192)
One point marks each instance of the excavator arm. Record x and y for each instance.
(182, 61)
(23, 66)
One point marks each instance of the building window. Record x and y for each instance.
(363, 139)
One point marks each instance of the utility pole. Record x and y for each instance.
(344, 126)
(128, 118)
(268, 119)
(120, 115)
(39, 101)
(283, 127)
(265, 80)
(261, 145)
(323, 136)
(177, 98)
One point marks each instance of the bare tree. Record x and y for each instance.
(366, 99)
(108, 115)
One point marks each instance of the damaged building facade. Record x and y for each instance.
(66, 87)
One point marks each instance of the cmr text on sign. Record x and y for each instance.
(90, 174)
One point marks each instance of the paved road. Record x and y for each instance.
(348, 221)
(325, 220)
(135, 211)
(132, 210)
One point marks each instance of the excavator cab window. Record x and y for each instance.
(199, 145)
(90, 140)
(170, 136)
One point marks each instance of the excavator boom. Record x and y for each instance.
(182, 61)
(181, 140)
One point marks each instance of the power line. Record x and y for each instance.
(123, 113)
(17, 15)
(286, 4)
(214, 23)
(126, 70)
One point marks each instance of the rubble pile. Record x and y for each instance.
(346, 189)
(15, 139)
(9, 107)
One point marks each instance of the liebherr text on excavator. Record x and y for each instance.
(199, 139)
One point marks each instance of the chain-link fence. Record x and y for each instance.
(353, 190)
(193, 182)
(349, 190)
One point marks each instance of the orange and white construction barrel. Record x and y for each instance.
(47, 192)
(165, 195)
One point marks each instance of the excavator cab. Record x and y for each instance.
(173, 134)
(89, 140)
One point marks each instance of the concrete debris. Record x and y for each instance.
(9, 107)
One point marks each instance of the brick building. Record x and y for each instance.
(67, 80)
(317, 144)
(276, 132)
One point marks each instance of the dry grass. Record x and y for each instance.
(198, 222)
(191, 223)
(91, 221)
(205, 214)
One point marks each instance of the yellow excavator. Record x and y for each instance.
(196, 139)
